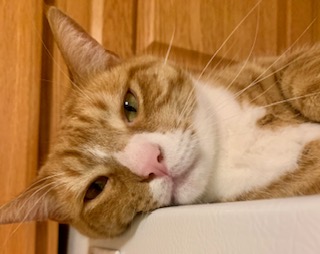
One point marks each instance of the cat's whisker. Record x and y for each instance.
(247, 59)
(172, 37)
(185, 106)
(26, 216)
(262, 76)
(35, 193)
(264, 92)
(251, 50)
(191, 107)
(258, 79)
(222, 58)
(238, 94)
(229, 36)
(170, 46)
(30, 188)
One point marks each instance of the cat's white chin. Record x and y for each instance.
(186, 188)
(177, 189)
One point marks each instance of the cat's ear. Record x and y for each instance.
(34, 204)
(83, 54)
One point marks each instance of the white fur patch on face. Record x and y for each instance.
(180, 153)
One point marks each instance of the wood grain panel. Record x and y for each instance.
(145, 25)
(119, 26)
(316, 14)
(298, 17)
(96, 21)
(205, 25)
(20, 26)
(190, 60)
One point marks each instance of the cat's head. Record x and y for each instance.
(131, 140)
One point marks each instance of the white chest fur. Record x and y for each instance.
(246, 156)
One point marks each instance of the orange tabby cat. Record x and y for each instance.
(140, 134)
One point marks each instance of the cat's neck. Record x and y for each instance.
(212, 108)
(220, 119)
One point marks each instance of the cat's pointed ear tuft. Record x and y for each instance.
(34, 204)
(83, 54)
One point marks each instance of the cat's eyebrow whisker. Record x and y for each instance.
(172, 37)
(229, 36)
(251, 50)
(170, 46)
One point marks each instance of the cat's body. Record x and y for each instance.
(141, 134)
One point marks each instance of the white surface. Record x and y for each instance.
(77, 243)
(259, 227)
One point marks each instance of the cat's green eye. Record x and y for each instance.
(95, 188)
(130, 106)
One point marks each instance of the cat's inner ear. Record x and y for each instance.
(83, 54)
(34, 204)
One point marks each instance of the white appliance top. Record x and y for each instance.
(290, 225)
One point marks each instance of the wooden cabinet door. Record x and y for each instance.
(230, 29)
(20, 67)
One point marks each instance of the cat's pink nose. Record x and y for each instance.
(150, 162)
